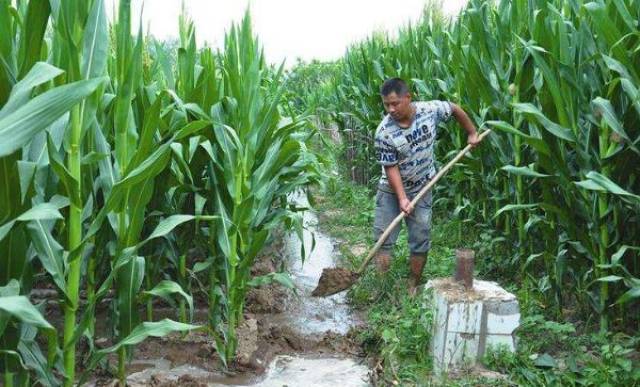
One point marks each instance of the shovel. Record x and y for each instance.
(335, 280)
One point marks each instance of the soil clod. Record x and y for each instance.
(334, 280)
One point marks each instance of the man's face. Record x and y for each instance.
(399, 107)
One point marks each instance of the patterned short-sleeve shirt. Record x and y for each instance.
(411, 148)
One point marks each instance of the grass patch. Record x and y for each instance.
(399, 328)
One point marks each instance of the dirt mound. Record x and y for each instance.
(267, 299)
(334, 280)
(183, 381)
(276, 339)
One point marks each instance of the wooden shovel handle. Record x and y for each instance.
(415, 200)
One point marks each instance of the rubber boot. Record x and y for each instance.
(383, 261)
(416, 265)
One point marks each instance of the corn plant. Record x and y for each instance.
(23, 118)
(55, 142)
(241, 170)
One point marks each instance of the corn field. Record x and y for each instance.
(555, 191)
(131, 172)
(135, 174)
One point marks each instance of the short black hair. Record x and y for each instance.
(394, 85)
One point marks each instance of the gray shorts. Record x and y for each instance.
(418, 222)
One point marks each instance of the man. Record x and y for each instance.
(404, 144)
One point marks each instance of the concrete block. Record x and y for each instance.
(440, 324)
(465, 317)
(502, 324)
(466, 323)
(460, 348)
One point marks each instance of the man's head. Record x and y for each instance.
(396, 99)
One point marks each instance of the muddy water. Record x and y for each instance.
(313, 315)
(321, 372)
(285, 370)
(307, 316)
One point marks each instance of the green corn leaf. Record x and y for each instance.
(523, 171)
(616, 66)
(31, 41)
(34, 360)
(634, 95)
(43, 211)
(58, 166)
(95, 38)
(610, 33)
(123, 259)
(629, 295)
(167, 225)
(128, 283)
(617, 256)
(149, 129)
(598, 182)
(26, 172)
(18, 127)
(201, 266)
(93, 158)
(137, 335)
(21, 309)
(609, 278)
(148, 169)
(554, 86)
(283, 279)
(223, 229)
(609, 116)
(552, 127)
(536, 143)
(515, 207)
(166, 288)
(151, 329)
(12, 288)
(49, 252)
(138, 199)
(108, 174)
(192, 128)
(39, 74)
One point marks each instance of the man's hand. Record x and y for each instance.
(405, 206)
(395, 181)
(473, 139)
(464, 121)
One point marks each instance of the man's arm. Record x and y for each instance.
(464, 121)
(387, 156)
(395, 181)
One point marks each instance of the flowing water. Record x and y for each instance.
(313, 315)
(306, 315)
